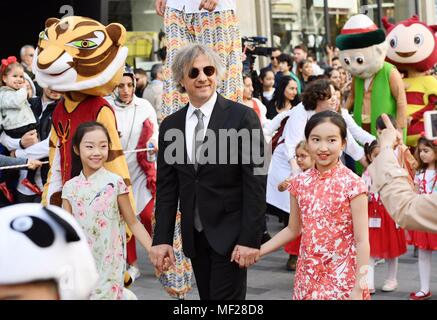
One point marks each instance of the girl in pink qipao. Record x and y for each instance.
(99, 200)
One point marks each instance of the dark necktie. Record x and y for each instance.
(198, 137)
(197, 142)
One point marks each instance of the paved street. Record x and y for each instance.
(268, 279)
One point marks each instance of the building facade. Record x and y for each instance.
(285, 23)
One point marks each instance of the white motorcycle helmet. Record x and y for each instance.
(45, 243)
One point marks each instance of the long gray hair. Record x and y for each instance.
(185, 57)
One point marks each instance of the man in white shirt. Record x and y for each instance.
(222, 202)
(210, 22)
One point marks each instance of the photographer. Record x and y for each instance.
(408, 209)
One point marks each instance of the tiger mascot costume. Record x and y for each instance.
(85, 61)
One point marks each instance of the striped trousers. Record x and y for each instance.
(218, 30)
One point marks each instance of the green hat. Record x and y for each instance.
(359, 32)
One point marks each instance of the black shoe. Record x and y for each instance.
(266, 237)
(291, 263)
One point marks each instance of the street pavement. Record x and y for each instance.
(269, 280)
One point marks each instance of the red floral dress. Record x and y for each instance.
(327, 262)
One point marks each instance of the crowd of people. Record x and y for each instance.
(335, 183)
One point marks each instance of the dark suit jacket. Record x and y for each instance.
(230, 197)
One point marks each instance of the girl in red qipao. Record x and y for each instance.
(329, 208)
(386, 239)
(426, 183)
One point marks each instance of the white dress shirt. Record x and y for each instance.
(192, 6)
(191, 121)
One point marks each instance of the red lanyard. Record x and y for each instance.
(424, 183)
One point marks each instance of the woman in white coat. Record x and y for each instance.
(138, 126)
(318, 96)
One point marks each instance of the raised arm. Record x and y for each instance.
(358, 133)
(131, 220)
(289, 233)
(54, 179)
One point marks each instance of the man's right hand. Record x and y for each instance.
(160, 7)
(29, 139)
(160, 255)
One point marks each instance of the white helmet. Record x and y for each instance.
(44, 243)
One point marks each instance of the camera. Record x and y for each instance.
(430, 120)
(252, 47)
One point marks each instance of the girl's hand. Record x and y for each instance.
(262, 251)
(284, 185)
(29, 138)
(209, 5)
(33, 164)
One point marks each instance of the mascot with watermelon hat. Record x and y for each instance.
(377, 86)
(412, 49)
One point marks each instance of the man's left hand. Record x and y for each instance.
(209, 5)
(245, 256)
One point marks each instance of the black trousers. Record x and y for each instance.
(217, 277)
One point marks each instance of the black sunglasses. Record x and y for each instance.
(273, 58)
(208, 71)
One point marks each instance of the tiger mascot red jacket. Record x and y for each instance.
(85, 60)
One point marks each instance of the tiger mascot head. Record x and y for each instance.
(78, 54)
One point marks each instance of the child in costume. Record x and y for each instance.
(413, 50)
(377, 86)
(426, 183)
(305, 162)
(99, 201)
(386, 239)
(329, 209)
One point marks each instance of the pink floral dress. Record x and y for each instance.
(94, 204)
(327, 258)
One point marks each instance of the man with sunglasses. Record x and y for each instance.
(274, 65)
(222, 203)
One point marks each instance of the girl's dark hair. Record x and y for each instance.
(283, 57)
(82, 129)
(329, 71)
(278, 99)
(316, 90)
(421, 166)
(380, 125)
(326, 116)
(8, 69)
(263, 73)
(368, 149)
(300, 66)
(245, 76)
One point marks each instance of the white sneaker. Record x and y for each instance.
(134, 272)
(390, 285)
